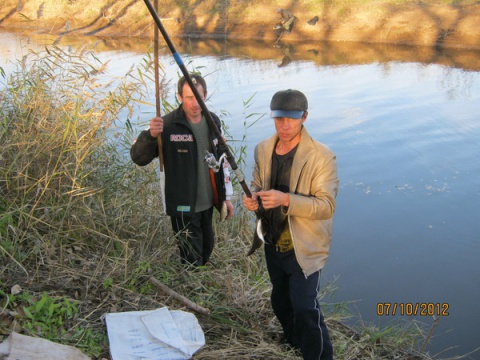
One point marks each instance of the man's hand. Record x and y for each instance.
(251, 204)
(156, 126)
(230, 209)
(273, 198)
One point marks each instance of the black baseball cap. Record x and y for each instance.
(288, 103)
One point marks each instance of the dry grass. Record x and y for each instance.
(131, 18)
(80, 221)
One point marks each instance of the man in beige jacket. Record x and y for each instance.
(295, 180)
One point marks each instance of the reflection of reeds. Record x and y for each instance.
(78, 219)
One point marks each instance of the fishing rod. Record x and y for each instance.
(157, 88)
(158, 112)
(211, 124)
(198, 97)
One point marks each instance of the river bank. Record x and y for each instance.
(431, 24)
(78, 241)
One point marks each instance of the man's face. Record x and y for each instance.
(288, 128)
(190, 105)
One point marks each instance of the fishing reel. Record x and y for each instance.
(213, 163)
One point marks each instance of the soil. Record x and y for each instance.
(415, 23)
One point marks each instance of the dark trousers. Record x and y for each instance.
(295, 304)
(195, 236)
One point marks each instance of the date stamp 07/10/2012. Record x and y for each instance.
(412, 309)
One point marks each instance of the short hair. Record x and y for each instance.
(197, 80)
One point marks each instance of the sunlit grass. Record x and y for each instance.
(78, 13)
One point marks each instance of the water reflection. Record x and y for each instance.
(333, 53)
(319, 52)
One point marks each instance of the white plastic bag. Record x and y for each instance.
(18, 346)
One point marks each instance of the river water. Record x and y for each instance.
(405, 125)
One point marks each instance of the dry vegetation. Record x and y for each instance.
(80, 228)
(448, 24)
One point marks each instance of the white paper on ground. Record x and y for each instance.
(154, 334)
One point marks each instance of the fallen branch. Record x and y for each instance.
(190, 304)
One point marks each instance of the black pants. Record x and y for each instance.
(295, 304)
(195, 236)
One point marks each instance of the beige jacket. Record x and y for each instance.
(313, 188)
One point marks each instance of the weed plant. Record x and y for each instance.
(82, 231)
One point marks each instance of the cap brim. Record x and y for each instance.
(287, 114)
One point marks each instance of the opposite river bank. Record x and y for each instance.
(419, 23)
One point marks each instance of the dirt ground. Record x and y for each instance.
(419, 23)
